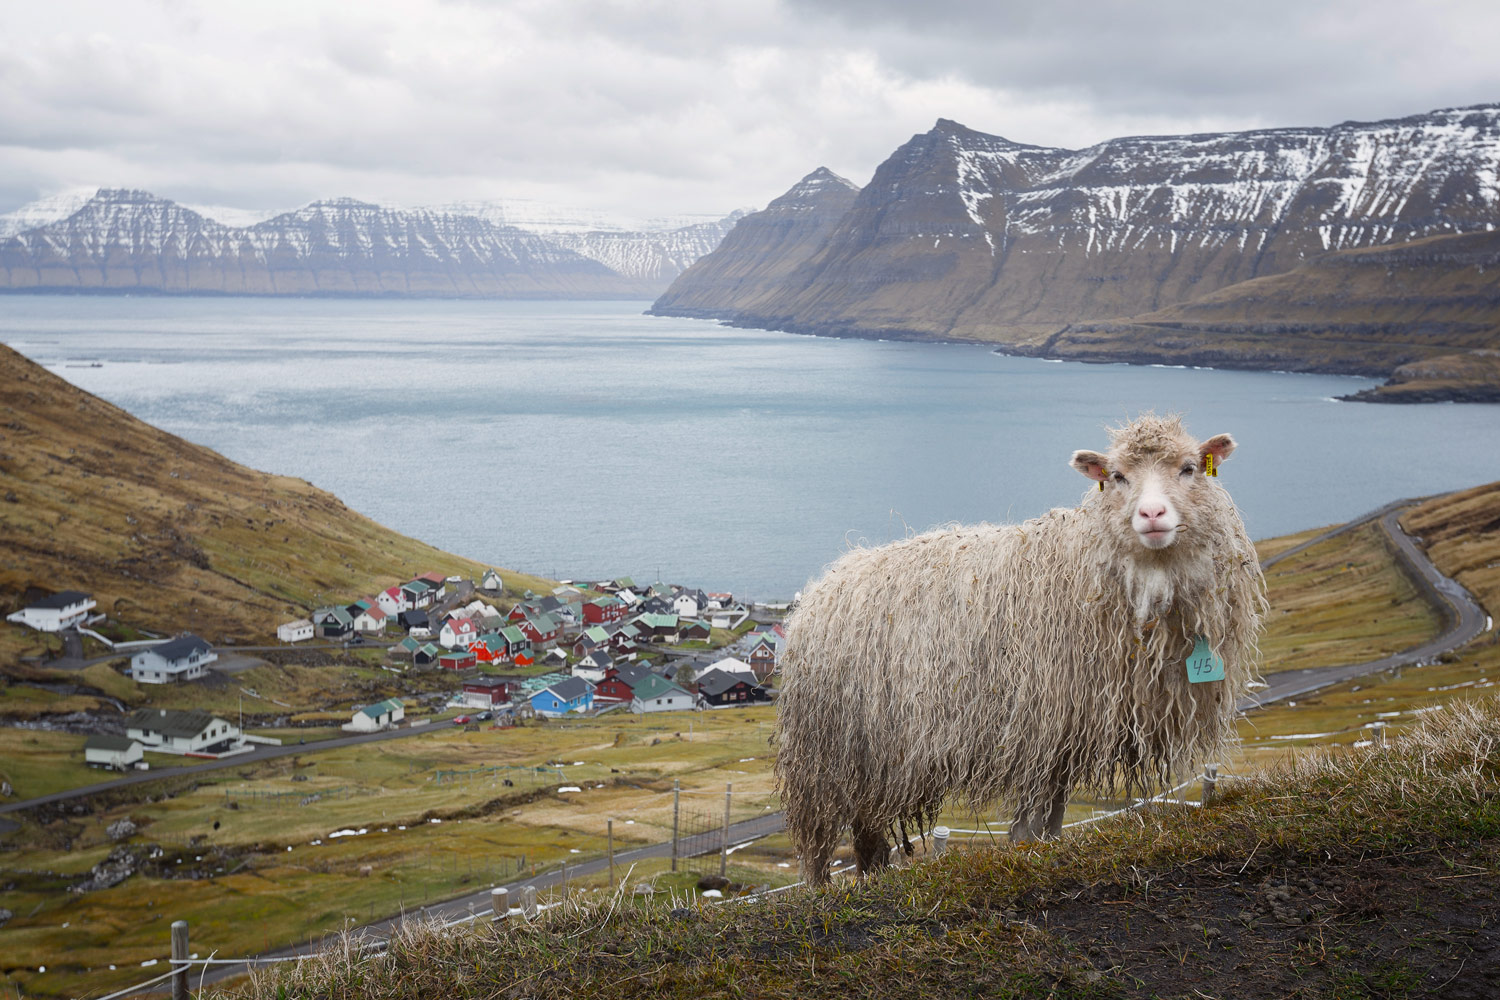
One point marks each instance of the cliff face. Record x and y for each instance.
(762, 252)
(962, 234)
(130, 240)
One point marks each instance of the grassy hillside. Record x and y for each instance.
(168, 535)
(1352, 873)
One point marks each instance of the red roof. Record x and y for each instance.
(433, 578)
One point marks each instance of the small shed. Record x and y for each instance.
(373, 718)
(119, 753)
(492, 581)
(457, 659)
(295, 631)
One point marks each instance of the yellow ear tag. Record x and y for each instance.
(1209, 465)
(1101, 486)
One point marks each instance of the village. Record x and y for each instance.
(582, 650)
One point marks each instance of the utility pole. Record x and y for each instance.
(724, 837)
(676, 791)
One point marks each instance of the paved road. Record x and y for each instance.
(1464, 619)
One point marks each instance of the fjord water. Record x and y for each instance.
(584, 439)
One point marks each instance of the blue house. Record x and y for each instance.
(571, 695)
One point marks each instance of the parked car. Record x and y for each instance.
(484, 716)
(462, 720)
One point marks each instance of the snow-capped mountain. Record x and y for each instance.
(657, 249)
(44, 211)
(963, 234)
(124, 240)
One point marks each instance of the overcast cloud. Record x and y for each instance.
(666, 106)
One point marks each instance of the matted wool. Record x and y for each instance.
(1003, 663)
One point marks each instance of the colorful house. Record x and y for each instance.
(604, 610)
(573, 694)
(392, 601)
(542, 630)
(459, 633)
(371, 619)
(485, 691)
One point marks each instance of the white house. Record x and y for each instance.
(170, 730)
(686, 604)
(492, 581)
(459, 633)
(654, 693)
(119, 753)
(295, 631)
(371, 619)
(62, 610)
(381, 715)
(185, 658)
(393, 600)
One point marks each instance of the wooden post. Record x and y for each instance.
(565, 882)
(609, 831)
(676, 792)
(179, 957)
(1377, 733)
(939, 840)
(724, 836)
(1210, 782)
(528, 901)
(500, 902)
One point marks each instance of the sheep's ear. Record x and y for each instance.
(1091, 464)
(1220, 446)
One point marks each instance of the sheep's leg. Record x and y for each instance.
(1026, 826)
(1055, 813)
(816, 854)
(871, 850)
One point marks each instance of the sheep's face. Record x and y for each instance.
(1153, 476)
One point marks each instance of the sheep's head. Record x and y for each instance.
(1155, 476)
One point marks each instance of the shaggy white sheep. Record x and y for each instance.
(1016, 662)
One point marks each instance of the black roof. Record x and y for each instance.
(716, 681)
(61, 599)
(170, 721)
(631, 674)
(599, 658)
(183, 646)
(570, 688)
(485, 680)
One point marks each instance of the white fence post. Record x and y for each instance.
(500, 902)
(939, 839)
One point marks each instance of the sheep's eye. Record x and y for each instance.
(1188, 469)
(1117, 477)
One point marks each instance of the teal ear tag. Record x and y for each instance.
(1203, 664)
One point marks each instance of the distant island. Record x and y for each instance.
(126, 241)
(1363, 248)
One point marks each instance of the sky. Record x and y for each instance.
(666, 107)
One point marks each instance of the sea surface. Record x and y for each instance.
(586, 440)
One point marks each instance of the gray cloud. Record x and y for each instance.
(661, 106)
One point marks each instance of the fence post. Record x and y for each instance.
(676, 792)
(179, 957)
(1210, 782)
(939, 840)
(1377, 733)
(724, 836)
(500, 902)
(528, 901)
(609, 829)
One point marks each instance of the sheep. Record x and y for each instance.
(1013, 663)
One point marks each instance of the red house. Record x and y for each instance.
(458, 659)
(619, 683)
(485, 691)
(604, 610)
(542, 630)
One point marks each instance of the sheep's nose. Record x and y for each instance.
(1151, 511)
